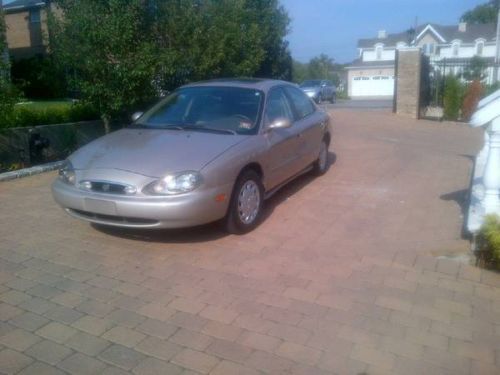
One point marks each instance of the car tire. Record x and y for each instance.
(245, 208)
(332, 99)
(318, 99)
(321, 165)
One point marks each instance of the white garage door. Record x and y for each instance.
(372, 86)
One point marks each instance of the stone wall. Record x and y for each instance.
(408, 81)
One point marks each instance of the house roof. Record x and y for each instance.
(23, 4)
(447, 32)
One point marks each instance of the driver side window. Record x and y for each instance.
(277, 106)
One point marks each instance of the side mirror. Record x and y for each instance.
(280, 123)
(136, 116)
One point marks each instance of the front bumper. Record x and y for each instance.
(177, 211)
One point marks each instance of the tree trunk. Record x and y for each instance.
(107, 125)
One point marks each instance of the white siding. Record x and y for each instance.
(387, 55)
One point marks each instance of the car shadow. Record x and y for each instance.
(213, 231)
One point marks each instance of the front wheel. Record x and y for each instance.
(320, 166)
(245, 207)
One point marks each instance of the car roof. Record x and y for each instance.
(249, 83)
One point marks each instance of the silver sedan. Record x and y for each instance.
(209, 151)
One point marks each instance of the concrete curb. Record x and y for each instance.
(25, 172)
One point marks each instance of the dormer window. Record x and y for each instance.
(378, 52)
(479, 48)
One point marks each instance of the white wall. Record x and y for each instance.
(467, 51)
(387, 55)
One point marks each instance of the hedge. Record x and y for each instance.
(24, 115)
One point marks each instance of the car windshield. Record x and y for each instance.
(311, 83)
(225, 110)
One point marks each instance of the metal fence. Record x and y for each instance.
(465, 70)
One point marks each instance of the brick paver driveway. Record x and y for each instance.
(344, 276)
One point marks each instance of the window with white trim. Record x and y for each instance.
(378, 52)
(455, 48)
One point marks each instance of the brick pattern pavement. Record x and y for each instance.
(342, 277)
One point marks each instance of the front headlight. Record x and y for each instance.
(175, 184)
(67, 173)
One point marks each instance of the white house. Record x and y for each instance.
(372, 74)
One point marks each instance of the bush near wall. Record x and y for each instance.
(453, 97)
(472, 97)
(23, 115)
(488, 242)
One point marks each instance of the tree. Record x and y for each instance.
(105, 45)
(484, 13)
(320, 67)
(121, 52)
(273, 22)
(299, 71)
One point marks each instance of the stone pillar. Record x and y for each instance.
(408, 81)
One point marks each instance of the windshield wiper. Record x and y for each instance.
(195, 127)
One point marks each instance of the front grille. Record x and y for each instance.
(107, 187)
(113, 219)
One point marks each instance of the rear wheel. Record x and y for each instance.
(320, 166)
(246, 203)
(332, 99)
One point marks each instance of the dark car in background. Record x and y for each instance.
(319, 90)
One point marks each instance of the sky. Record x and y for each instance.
(333, 27)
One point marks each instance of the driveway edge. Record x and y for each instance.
(25, 172)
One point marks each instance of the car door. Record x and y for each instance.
(281, 158)
(309, 125)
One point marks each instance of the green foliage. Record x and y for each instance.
(453, 95)
(120, 53)
(39, 77)
(319, 67)
(476, 70)
(488, 242)
(484, 13)
(28, 115)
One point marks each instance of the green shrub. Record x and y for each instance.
(453, 96)
(488, 242)
(24, 115)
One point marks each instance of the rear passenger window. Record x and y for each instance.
(277, 106)
(301, 103)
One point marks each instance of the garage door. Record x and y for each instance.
(372, 86)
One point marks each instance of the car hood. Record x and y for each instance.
(154, 152)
